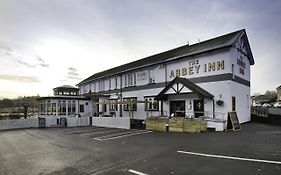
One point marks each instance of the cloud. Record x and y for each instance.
(73, 74)
(24, 59)
(26, 79)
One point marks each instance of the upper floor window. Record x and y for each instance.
(116, 83)
(130, 80)
(131, 104)
(109, 84)
(151, 104)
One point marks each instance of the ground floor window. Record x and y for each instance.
(81, 107)
(130, 106)
(113, 105)
(152, 104)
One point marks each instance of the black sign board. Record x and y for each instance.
(233, 122)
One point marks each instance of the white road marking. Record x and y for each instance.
(127, 135)
(136, 172)
(120, 135)
(95, 133)
(116, 134)
(230, 157)
(72, 132)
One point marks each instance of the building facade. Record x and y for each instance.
(66, 102)
(209, 79)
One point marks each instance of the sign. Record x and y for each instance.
(141, 76)
(195, 68)
(233, 122)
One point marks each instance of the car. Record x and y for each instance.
(266, 105)
(277, 105)
(257, 105)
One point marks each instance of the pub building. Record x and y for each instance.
(203, 80)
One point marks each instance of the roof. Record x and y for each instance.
(66, 87)
(279, 87)
(186, 50)
(262, 98)
(187, 83)
(64, 97)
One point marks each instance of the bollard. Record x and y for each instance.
(167, 127)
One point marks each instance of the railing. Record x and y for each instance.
(260, 111)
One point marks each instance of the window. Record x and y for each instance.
(130, 80)
(69, 107)
(233, 103)
(81, 107)
(126, 81)
(104, 107)
(116, 81)
(63, 107)
(152, 104)
(109, 84)
(73, 107)
(131, 105)
(113, 105)
(135, 79)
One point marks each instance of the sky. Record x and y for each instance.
(49, 43)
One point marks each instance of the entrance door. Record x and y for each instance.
(177, 108)
(198, 108)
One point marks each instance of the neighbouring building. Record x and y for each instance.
(278, 93)
(260, 99)
(209, 78)
(65, 102)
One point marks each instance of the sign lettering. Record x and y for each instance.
(195, 68)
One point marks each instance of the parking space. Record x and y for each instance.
(104, 134)
(256, 149)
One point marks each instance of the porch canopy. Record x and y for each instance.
(183, 85)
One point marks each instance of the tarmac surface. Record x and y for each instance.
(256, 149)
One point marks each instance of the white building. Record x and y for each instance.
(210, 78)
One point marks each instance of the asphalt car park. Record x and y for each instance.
(255, 149)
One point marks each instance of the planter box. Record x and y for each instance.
(156, 124)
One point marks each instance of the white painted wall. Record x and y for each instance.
(112, 122)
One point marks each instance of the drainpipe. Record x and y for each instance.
(120, 107)
(165, 75)
(213, 108)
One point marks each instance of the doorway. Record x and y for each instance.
(198, 108)
(177, 108)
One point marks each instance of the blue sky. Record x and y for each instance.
(48, 43)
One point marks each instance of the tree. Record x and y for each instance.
(5, 103)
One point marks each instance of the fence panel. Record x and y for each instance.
(19, 123)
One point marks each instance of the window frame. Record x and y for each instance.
(148, 104)
(126, 106)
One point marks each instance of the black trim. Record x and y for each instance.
(202, 93)
(206, 79)
(241, 81)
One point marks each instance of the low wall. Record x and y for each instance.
(19, 123)
(112, 122)
(83, 121)
(176, 125)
